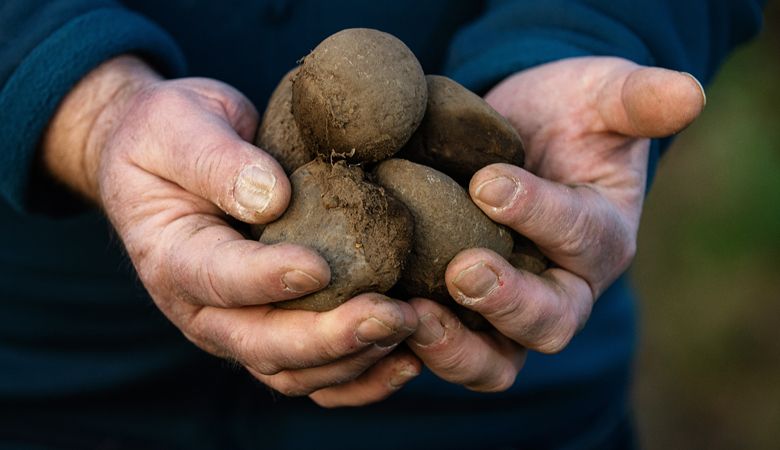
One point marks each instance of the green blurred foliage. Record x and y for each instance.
(708, 270)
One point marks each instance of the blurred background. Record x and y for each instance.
(708, 268)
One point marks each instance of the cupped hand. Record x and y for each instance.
(169, 161)
(587, 124)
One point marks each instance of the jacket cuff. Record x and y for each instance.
(32, 94)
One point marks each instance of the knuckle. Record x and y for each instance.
(162, 97)
(583, 234)
(504, 308)
(288, 384)
(456, 363)
(553, 344)
(500, 383)
(207, 163)
(537, 320)
(558, 338)
(324, 402)
(335, 347)
(207, 273)
(157, 102)
(242, 111)
(250, 353)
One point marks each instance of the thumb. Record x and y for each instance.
(198, 143)
(239, 178)
(650, 102)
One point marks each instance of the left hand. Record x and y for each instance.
(586, 123)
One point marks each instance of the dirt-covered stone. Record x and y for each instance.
(278, 133)
(363, 233)
(446, 222)
(460, 133)
(360, 93)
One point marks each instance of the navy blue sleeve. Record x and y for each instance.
(46, 47)
(691, 35)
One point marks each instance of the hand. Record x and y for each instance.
(586, 124)
(166, 160)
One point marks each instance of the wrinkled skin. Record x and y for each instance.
(166, 160)
(586, 123)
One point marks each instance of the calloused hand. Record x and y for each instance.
(586, 123)
(167, 160)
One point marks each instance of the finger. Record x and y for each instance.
(379, 382)
(482, 362)
(181, 245)
(573, 225)
(649, 101)
(270, 340)
(213, 265)
(295, 383)
(198, 148)
(540, 312)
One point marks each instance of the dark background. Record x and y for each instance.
(708, 268)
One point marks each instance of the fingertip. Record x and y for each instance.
(411, 319)
(661, 102)
(474, 274)
(702, 91)
(300, 257)
(503, 191)
(261, 191)
(397, 319)
(243, 272)
(407, 368)
(471, 256)
(492, 172)
(380, 381)
(434, 323)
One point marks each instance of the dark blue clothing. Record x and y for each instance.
(85, 357)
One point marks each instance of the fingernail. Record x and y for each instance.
(402, 377)
(373, 330)
(299, 281)
(497, 192)
(254, 188)
(701, 88)
(429, 332)
(475, 283)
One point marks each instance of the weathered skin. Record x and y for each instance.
(278, 134)
(363, 233)
(527, 256)
(446, 222)
(461, 133)
(361, 93)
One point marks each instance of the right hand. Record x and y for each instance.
(166, 160)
